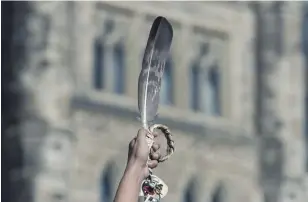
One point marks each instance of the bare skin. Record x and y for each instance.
(137, 167)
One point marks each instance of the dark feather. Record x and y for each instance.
(153, 65)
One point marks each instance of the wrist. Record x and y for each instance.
(135, 171)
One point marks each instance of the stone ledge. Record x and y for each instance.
(203, 14)
(202, 131)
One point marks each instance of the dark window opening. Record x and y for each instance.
(98, 73)
(119, 68)
(205, 84)
(107, 182)
(194, 87)
(218, 194)
(214, 91)
(190, 191)
(106, 187)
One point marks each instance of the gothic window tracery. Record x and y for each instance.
(109, 58)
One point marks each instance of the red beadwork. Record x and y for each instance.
(148, 190)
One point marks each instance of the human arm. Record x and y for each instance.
(137, 168)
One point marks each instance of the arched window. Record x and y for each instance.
(118, 68)
(106, 187)
(219, 193)
(98, 73)
(188, 196)
(205, 83)
(166, 92)
(107, 183)
(99, 54)
(109, 61)
(190, 191)
(217, 196)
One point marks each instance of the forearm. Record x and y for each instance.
(129, 186)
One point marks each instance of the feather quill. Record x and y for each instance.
(153, 65)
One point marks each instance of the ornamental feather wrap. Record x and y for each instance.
(153, 64)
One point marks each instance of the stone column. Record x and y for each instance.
(292, 105)
(280, 101)
(182, 56)
(269, 120)
(47, 85)
(85, 33)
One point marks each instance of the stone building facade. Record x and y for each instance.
(78, 68)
